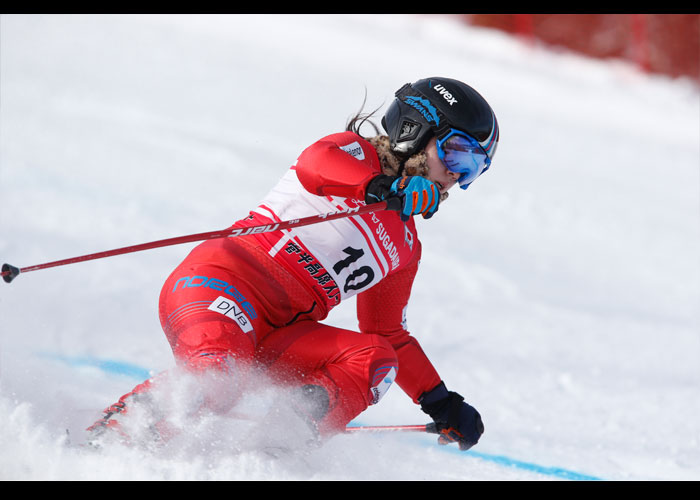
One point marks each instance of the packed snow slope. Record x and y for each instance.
(560, 294)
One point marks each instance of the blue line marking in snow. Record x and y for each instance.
(519, 464)
(109, 366)
(130, 370)
(540, 469)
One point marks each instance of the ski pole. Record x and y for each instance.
(10, 272)
(429, 428)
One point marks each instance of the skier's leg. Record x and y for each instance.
(211, 327)
(338, 372)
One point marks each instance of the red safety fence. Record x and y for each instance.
(658, 43)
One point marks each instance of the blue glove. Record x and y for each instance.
(418, 194)
(455, 420)
(413, 195)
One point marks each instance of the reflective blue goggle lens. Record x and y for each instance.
(462, 154)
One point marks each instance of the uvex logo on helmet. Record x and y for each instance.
(439, 88)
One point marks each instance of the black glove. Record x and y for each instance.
(455, 420)
(417, 194)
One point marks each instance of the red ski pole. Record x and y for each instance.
(10, 272)
(429, 428)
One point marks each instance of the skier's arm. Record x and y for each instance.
(338, 165)
(381, 311)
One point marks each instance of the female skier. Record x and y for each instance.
(235, 305)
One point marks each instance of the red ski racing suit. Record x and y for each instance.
(260, 298)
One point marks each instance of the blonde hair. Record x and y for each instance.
(391, 163)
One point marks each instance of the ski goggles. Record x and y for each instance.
(463, 155)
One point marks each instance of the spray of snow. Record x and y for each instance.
(560, 294)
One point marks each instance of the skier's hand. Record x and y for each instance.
(417, 194)
(455, 420)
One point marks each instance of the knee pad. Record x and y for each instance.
(382, 370)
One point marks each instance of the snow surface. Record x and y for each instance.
(560, 294)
